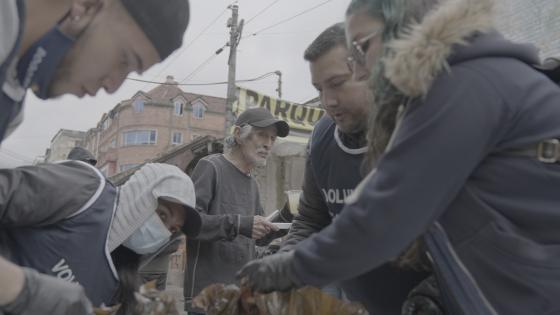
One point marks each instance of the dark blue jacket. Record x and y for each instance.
(55, 218)
(332, 172)
(498, 214)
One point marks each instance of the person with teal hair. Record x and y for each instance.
(464, 152)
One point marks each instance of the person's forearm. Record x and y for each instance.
(11, 281)
(224, 227)
(301, 229)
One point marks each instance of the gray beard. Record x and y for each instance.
(260, 163)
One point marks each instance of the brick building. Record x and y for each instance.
(533, 21)
(152, 123)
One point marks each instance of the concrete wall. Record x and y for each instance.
(283, 171)
(533, 21)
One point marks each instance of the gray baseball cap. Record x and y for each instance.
(261, 117)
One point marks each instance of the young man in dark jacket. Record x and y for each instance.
(78, 47)
(472, 166)
(334, 166)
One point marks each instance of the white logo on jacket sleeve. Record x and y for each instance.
(336, 196)
(63, 271)
(358, 191)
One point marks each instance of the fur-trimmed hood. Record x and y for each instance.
(455, 31)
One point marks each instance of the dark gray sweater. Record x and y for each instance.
(228, 200)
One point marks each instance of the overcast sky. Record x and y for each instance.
(278, 48)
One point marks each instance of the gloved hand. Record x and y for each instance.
(424, 299)
(272, 273)
(42, 294)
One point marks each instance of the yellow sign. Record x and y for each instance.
(300, 118)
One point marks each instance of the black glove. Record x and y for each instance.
(424, 299)
(272, 273)
(42, 294)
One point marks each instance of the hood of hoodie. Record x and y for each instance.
(138, 200)
(455, 31)
(81, 154)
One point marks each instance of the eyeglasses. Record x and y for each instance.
(360, 47)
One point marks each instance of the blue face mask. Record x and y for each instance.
(148, 238)
(39, 64)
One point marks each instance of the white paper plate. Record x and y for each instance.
(282, 226)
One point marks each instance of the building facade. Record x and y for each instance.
(61, 144)
(152, 123)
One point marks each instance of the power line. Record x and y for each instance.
(262, 11)
(289, 19)
(15, 153)
(209, 59)
(16, 156)
(13, 157)
(262, 77)
(203, 64)
(182, 50)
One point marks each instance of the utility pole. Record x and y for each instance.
(279, 88)
(234, 38)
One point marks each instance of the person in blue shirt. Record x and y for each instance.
(334, 167)
(464, 102)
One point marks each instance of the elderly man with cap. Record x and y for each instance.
(77, 47)
(65, 220)
(228, 199)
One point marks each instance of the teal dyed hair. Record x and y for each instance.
(397, 16)
(391, 12)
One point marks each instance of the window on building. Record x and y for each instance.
(114, 143)
(106, 123)
(198, 110)
(178, 108)
(138, 105)
(126, 167)
(177, 138)
(139, 137)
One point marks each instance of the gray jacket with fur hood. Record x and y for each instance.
(491, 219)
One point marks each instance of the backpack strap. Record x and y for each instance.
(546, 151)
